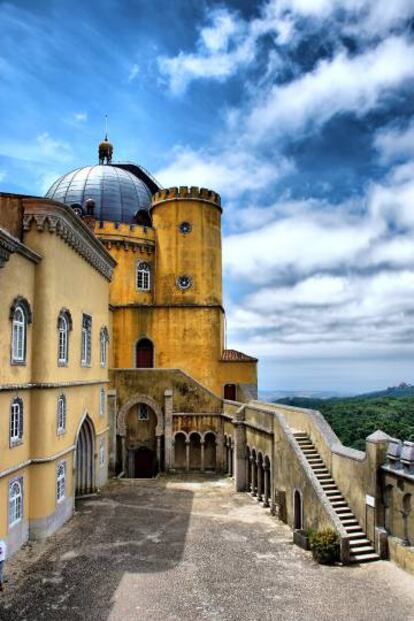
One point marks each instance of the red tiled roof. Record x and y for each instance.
(231, 355)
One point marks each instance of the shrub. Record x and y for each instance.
(324, 545)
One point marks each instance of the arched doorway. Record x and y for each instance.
(141, 442)
(297, 510)
(85, 459)
(195, 451)
(230, 392)
(180, 461)
(210, 451)
(144, 354)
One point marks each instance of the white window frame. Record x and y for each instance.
(16, 422)
(61, 414)
(102, 399)
(16, 501)
(63, 340)
(19, 331)
(86, 340)
(61, 481)
(103, 347)
(101, 451)
(143, 276)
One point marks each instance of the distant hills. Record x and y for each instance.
(353, 418)
(288, 396)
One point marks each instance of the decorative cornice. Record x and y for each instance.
(9, 244)
(56, 218)
(47, 385)
(129, 244)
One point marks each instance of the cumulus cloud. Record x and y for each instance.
(134, 71)
(229, 172)
(343, 84)
(45, 148)
(394, 143)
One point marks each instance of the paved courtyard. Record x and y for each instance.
(182, 549)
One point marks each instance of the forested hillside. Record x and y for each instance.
(353, 419)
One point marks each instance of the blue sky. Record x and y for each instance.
(300, 112)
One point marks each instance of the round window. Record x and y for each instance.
(185, 227)
(184, 282)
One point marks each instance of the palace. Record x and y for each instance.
(113, 362)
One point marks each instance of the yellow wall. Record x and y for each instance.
(196, 254)
(17, 277)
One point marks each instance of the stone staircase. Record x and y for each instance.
(361, 549)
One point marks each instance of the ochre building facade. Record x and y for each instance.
(114, 362)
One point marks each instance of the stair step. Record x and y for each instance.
(346, 516)
(364, 558)
(343, 510)
(357, 540)
(347, 521)
(354, 529)
(334, 495)
(361, 549)
(320, 470)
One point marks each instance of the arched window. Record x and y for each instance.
(61, 481)
(15, 501)
(19, 335)
(61, 414)
(64, 326)
(102, 402)
(102, 451)
(16, 421)
(103, 346)
(86, 344)
(143, 276)
(144, 354)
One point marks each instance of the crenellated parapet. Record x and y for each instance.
(400, 456)
(185, 192)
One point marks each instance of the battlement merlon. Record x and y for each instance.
(186, 193)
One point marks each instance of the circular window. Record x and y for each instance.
(184, 282)
(185, 227)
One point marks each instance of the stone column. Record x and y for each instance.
(158, 438)
(112, 412)
(168, 416)
(124, 456)
(202, 455)
(266, 487)
(187, 455)
(239, 452)
(259, 480)
(376, 450)
(254, 481)
(220, 446)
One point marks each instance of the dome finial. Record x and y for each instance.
(105, 147)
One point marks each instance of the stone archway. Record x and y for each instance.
(141, 456)
(85, 458)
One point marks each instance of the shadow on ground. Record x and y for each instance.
(132, 527)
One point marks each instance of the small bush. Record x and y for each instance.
(324, 545)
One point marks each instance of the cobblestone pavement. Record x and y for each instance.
(182, 549)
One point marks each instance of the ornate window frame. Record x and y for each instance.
(103, 346)
(61, 481)
(16, 422)
(15, 501)
(61, 414)
(86, 340)
(20, 317)
(143, 276)
(102, 399)
(64, 326)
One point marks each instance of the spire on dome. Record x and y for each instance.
(105, 147)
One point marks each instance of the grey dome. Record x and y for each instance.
(118, 193)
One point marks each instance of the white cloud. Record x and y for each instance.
(134, 71)
(80, 117)
(44, 148)
(229, 172)
(343, 84)
(3, 175)
(395, 143)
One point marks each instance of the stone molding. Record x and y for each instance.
(128, 244)
(43, 385)
(56, 218)
(9, 245)
(186, 193)
(139, 398)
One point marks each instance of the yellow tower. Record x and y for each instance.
(187, 223)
